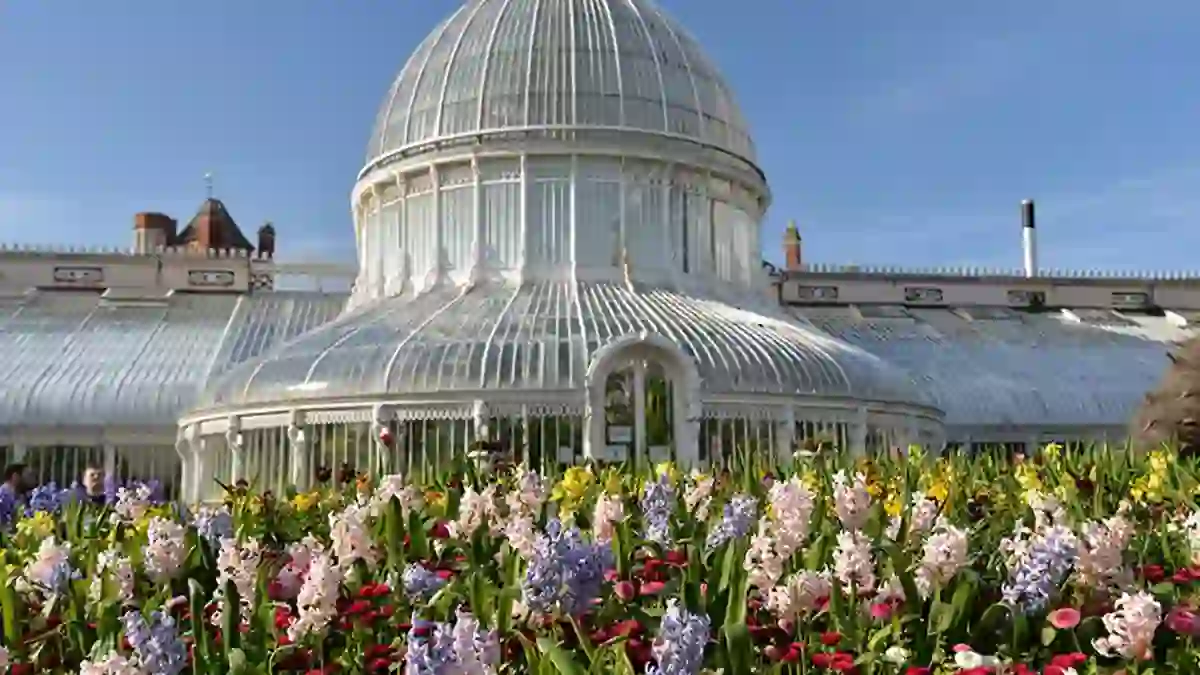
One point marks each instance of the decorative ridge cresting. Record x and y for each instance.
(163, 251)
(968, 272)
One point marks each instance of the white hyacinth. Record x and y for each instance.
(853, 563)
(317, 600)
(609, 512)
(698, 497)
(781, 534)
(112, 664)
(351, 538)
(943, 554)
(1191, 530)
(238, 563)
(113, 565)
(1131, 627)
(395, 486)
(851, 500)
(801, 594)
(475, 509)
(528, 494)
(166, 549)
(132, 503)
(522, 535)
(1101, 562)
(299, 557)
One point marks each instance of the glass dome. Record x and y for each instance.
(500, 66)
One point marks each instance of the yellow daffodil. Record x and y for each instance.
(38, 526)
(573, 488)
(894, 505)
(612, 482)
(305, 501)
(669, 470)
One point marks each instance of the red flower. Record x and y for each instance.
(775, 653)
(831, 638)
(444, 574)
(624, 590)
(1184, 622)
(358, 607)
(1071, 660)
(981, 670)
(1022, 669)
(1054, 670)
(374, 591)
(1064, 618)
(1153, 573)
(677, 558)
(439, 531)
(652, 588)
(21, 669)
(842, 662)
(387, 611)
(1183, 576)
(917, 670)
(377, 651)
(882, 611)
(283, 618)
(822, 659)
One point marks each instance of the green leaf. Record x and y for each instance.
(1048, 635)
(740, 648)
(563, 661)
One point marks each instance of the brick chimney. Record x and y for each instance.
(792, 254)
(266, 240)
(152, 230)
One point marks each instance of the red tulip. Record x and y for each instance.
(625, 590)
(831, 638)
(1064, 618)
(1153, 573)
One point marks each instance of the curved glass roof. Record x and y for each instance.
(82, 362)
(1023, 370)
(542, 336)
(506, 65)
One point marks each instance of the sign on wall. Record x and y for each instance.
(78, 276)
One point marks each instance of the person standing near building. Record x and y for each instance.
(93, 484)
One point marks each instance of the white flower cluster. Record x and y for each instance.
(114, 565)
(350, 536)
(698, 497)
(609, 513)
(922, 516)
(317, 601)
(1191, 530)
(132, 503)
(1131, 627)
(1101, 562)
(238, 563)
(851, 500)
(853, 562)
(943, 555)
(781, 534)
(475, 509)
(802, 593)
(1047, 510)
(49, 571)
(166, 549)
(299, 557)
(524, 503)
(395, 486)
(112, 664)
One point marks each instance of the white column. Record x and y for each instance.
(785, 434)
(110, 460)
(233, 439)
(479, 252)
(639, 409)
(202, 468)
(858, 433)
(523, 224)
(298, 449)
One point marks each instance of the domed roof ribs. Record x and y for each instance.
(213, 228)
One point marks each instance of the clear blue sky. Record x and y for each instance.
(893, 132)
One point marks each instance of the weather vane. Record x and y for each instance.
(208, 184)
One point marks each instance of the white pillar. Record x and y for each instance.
(298, 450)
(639, 409)
(785, 434)
(234, 440)
(858, 433)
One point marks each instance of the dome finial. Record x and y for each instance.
(208, 185)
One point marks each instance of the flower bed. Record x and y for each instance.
(1070, 562)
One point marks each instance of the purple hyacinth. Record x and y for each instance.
(430, 648)
(8, 506)
(46, 498)
(420, 584)
(658, 499)
(213, 525)
(736, 521)
(1033, 583)
(565, 572)
(682, 637)
(156, 643)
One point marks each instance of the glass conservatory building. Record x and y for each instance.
(558, 237)
(558, 227)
